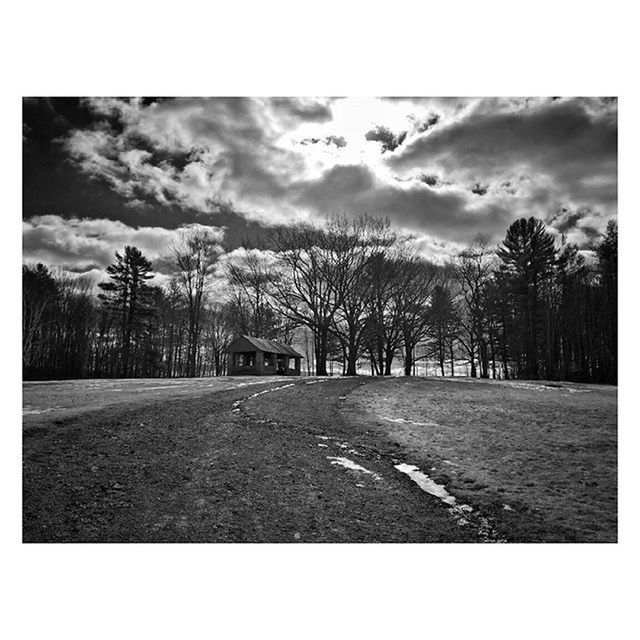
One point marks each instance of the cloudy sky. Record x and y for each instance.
(101, 173)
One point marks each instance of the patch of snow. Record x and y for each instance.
(506, 507)
(405, 421)
(323, 437)
(463, 513)
(27, 411)
(353, 466)
(426, 483)
(236, 405)
(322, 445)
(171, 386)
(260, 393)
(251, 384)
(542, 387)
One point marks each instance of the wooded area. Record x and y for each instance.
(350, 290)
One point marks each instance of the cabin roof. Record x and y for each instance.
(270, 346)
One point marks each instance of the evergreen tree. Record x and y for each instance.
(127, 295)
(607, 252)
(528, 255)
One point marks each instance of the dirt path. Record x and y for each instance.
(326, 460)
(232, 466)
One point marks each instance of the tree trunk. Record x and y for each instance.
(351, 356)
(321, 351)
(388, 359)
(484, 359)
(408, 359)
(453, 373)
(352, 361)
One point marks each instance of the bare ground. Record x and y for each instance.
(290, 461)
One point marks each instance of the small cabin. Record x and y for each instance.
(257, 357)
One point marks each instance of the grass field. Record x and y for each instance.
(50, 400)
(547, 450)
(284, 460)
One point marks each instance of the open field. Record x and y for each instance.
(331, 460)
(544, 450)
(49, 400)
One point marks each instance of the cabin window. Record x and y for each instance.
(268, 360)
(244, 359)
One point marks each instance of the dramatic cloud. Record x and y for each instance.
(543, 153)
(445, 213)
(388, 140)
(89, 244)
(479, 189)
(430, 180)
(339, 141)
(581, 227)
(442, 168)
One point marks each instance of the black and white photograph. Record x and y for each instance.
(316, 322)
(254, 319)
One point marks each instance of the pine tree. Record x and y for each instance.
(607, 251)
(528, 255)
(127, 295)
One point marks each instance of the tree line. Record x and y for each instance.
(354, 292)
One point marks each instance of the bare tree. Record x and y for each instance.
(249, 275)
(194, 258)
(315, 272)
(376, 237)
(38, 299)
(417, 280)
(474, 268)
(402, 283)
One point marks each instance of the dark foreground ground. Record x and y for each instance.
(315, 461)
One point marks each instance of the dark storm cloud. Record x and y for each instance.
(569, 141)
(429, 179)
(479, 189)
(420, 126)
(449, 167)
(354, 189)
(388, 140)
(338, 141)
(582, 226)
(564, 220)
(304, 109)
